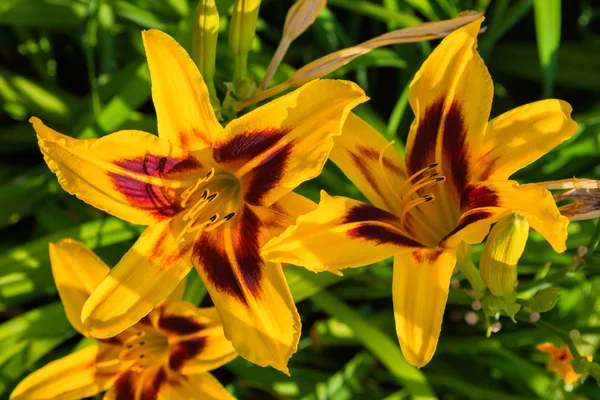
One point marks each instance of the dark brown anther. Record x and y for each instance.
(229, 216)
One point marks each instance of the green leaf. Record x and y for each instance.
(27, 338)
(380, 344)
(26, 270)
(547, 30)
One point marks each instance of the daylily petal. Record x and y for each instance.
(283, 212)
(451, 96)
(130, 174)
(255, 305)
(124, 387)
(185, 115)
(287, 141)
(195, 387)
(197, 341)
(77, 272)
(340, 233)
(420, 291)
(517, 138)
(484, 203)
(146, 274)
(358, 153)
(179, 292)
(72, 377)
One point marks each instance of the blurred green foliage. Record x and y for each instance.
(79, 65)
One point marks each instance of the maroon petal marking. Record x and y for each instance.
(428, 256)
(468, 220)
(179, 325)
(124, 386)
(152, 386)
(367, 173)
(160, 201)
(246, 146)
(210, 256)
(422, 152)
(377, 233)
(185, 351)
(478, 196)
(373, 155)
(455, 159)
(267, 174)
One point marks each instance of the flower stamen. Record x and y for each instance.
(412, 204)
(187, 193)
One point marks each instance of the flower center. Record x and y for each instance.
(409, 195)
(201, 211)
(146, 346)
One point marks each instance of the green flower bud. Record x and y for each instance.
(503, 248)
(204, 45)
(545, 299)
(241, 34)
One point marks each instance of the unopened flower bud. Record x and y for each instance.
(241, 33)
(204, 45)
(503, 248)
(545, 299)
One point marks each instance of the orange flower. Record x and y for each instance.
(559, 361)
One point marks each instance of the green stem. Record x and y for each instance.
(470, 271)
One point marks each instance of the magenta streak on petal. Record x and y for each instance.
(147, 196)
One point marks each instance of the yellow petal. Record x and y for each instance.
(185, 115)
(77, 272)
(146, 274)
(72, 377)
(486, 202)
(340, 233)
(518, 137)
(195, 387)
(287, 141)
(451, 97)
(370, 162)
(130, 174)
(196, 338)
(252, 297)
(420, 291)
(283, 212)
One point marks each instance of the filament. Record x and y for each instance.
(420, 185)
(412, 204)
(415, 176)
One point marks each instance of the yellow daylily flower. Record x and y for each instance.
(451, 186)
(167, 355)
(559, 361)
(210, 197)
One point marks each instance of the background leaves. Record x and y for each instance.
(79, 65)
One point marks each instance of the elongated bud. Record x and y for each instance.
(241, 33)
(204, 45)
(545, 299)
(503, 248)
(301, 15)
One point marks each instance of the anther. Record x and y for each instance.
(433, 165)
(213, 218)
(440, 179)
(229, 216)
(142, 343)
(212, 197)
(204, 194)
